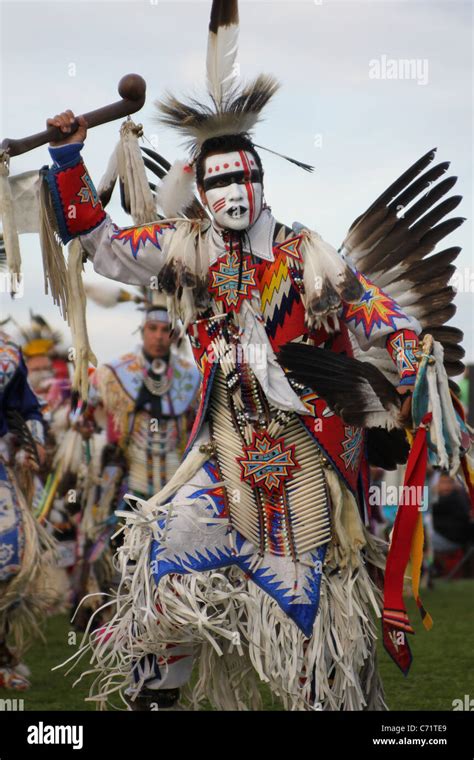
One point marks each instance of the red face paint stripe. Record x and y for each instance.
(248, 185)
(246, 166)
(219, 204)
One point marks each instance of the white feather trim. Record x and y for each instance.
(327, 278)
(103, 295)
(176, 192)
(446, 425)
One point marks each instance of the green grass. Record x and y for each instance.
(442, 668)
(443, 658)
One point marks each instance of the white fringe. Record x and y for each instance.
(76, 306)
(133, 175)
(27, 597)
(69, 455)
(10, 234)
(444, 424)
(243, 634)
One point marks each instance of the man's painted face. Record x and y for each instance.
(233, 189)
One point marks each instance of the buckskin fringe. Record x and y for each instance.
(234, 619)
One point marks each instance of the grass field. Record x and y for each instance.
(442, 670)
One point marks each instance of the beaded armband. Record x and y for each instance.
(402, 346)
(76, 204)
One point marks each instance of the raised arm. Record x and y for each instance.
(132, 255)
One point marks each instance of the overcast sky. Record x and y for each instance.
(360, 132)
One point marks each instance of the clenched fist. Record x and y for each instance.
(64, 121)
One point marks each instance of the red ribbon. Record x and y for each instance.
(395, 621)
(469, 483)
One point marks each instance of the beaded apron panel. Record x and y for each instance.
(289, 520)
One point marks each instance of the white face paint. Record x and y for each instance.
(233, 189)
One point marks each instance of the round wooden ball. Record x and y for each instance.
(132, 87)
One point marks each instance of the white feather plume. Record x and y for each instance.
(105, 295)
(176, 192)
(222, 50)
(109, 178)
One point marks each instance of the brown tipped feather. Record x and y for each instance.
(430, 320)
(419, 185)
(454, 369)
(223, 13)
(357, 391)
(160, 160)
(428, 221)
(445, 334)
(432, 265)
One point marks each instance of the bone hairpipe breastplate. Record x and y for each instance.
(282, 505)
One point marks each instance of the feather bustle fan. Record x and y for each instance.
(392, 242)
(357, 391)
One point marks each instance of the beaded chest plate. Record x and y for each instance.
(276, 488)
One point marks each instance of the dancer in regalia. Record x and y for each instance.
(146, 401)
(25, 547)
(56, 502)
(256, 552)
(148, 397)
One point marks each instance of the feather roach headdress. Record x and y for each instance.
(233, 109)
(38, 337)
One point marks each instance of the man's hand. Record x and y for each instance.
(64, 121)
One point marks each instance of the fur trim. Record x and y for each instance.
(10, 234)
(107, 182)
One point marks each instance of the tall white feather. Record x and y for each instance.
(222, 50)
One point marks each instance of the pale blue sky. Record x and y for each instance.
(359, 132)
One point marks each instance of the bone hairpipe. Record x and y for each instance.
(320, 513)
(307, 504)
(317, 534)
